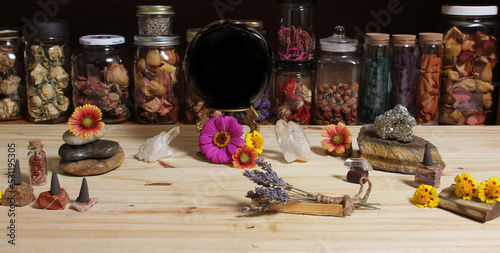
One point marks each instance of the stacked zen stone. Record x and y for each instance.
(91, 156)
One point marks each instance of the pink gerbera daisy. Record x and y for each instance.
(339, 138)
(86, 121)
(220, 138)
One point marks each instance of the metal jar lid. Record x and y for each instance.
(102, 40)
(469, 10)
(338, 42)
(155, 9)
(9, 33)
(159, 41)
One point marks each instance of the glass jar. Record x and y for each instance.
(48, 64)
(337, 80)
(156, 79)
(12, 83)
(296, 39)
(100, 78)
(193, 103)
(374, 78)
(294, 91)
(404, 52)
(468, 94)
(38, 162)
(426, 98)
(155, 20)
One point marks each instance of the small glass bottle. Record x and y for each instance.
(375, 78)
(296, 39)
(156, 79)
(100, 77)
(48, 64)
(404, 51)
(337, 80)
(12, 83)
(37, 162)
(426, 98)
(294, 82)
(155, 20)
(470, 55)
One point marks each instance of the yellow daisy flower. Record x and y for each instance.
(490, 191)
(465, 186)
(255, 141)
(425, 196)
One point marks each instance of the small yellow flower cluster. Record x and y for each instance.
(425, 196)
(466, 188)
(246, 155)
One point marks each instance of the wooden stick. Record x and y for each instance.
(307, 207)
(472, 208)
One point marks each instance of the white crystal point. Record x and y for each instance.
(293, 141)
(157, 147)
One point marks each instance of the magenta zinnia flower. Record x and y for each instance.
(220, 138)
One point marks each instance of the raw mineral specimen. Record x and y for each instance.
(55, 199)
(18, 193)
(396, 124)
(293, 141)
(158, 147)
(84, 202)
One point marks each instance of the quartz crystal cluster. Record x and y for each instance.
(293, 141)
(158, 147)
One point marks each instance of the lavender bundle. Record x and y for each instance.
(275, 189)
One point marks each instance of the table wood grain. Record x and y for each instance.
(200, 210)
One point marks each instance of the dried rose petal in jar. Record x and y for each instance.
(156, 79)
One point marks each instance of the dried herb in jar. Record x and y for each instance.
(336, 103)
(37, 162)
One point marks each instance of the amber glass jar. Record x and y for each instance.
(100, 78)
(470, 55)
(337, 80)
(48, 64)
(12, 84)
(156, 79)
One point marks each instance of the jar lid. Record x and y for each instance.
(338, 42)
(9, 33)
(469, 10)
(377, 38)
(102, 40)
(296, 1)
(303, 66)
(190, 33)
(403, 39)
(155, 9)
(254, 23)
(173, 40)
(52, 28)
(430, 38)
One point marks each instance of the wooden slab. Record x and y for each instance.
(473, 208)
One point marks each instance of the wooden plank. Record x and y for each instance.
(308, 208)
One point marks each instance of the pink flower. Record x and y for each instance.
(339, 138)
(220, 138)
(118, 74)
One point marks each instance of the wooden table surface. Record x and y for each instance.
(200, 210)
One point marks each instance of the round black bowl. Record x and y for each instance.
(228, 65)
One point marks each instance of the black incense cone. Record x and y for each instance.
(84, 193)
(18, 180)
(55, 189)
(427, 156)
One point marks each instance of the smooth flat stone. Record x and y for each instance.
(71, 139)
(90, 167)
(96, 149)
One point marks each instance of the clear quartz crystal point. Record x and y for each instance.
(357, 164)
(157, 147)
(293, 141)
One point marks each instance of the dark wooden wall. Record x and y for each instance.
(118, 16)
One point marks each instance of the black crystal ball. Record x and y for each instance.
(228, 65)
